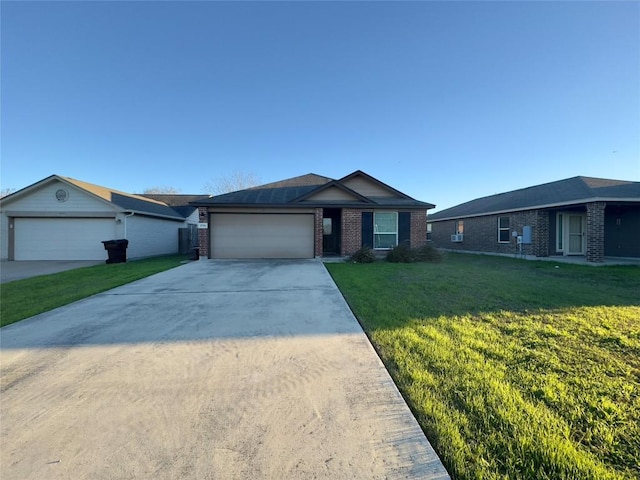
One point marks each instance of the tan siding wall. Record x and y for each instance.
(44, 200)
(331, 194)
(367, 188)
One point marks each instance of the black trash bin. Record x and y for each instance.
(117, 250)
(195, 253)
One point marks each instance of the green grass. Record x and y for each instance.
(514, 369)
(24, 298)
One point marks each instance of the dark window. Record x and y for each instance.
(503, 230)
(404, 227)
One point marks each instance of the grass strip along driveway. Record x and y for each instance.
(514, 369)
(25, 298)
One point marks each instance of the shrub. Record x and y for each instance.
(363, 255)
(428, 253)
(401, 253)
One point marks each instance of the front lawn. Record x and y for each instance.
(25, 298)
(514, 369)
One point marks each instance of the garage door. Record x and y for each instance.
(62, 238)
(262, 235)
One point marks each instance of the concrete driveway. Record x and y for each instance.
(230, 370)
(10, 271)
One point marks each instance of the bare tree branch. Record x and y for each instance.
(6, 191)
(232, 182)
(162, 189)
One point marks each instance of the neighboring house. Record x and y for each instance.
(60, 218)
(188, 236)
(181, 203)
(583, 216)
(310, 216)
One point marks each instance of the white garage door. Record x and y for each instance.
(62, 238)
(261, 235)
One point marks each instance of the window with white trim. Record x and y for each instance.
(429, 233)
(503, 230)
(459, 227)
(385, 230)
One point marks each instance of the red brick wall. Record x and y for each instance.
(595, 231)
(203, 233)
(481, 233)
(418, 228)
(318, 232)
(540, 234)
(351, 230)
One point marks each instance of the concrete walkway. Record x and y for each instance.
(10, 271)
(234, 370)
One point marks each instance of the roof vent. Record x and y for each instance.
(62, 195)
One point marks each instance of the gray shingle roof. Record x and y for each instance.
(174, 199)
(302, 181)
(178, 202)
(127, 202)
(562, 192)
(294, 192)
(258, 196)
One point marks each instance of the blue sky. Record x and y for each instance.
(444, 101)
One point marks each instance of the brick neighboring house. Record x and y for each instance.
(582, 216)
(310, 216)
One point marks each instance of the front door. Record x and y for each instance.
(331, 231)
(575, 228)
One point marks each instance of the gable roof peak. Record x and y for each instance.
(332, 184)
(360, 173)
(307, 180)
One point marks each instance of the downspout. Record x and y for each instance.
(131, 214)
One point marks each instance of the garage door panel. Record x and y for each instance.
(262, 235)
(62, 238)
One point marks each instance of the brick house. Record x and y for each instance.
(582, 216)
(310, 216)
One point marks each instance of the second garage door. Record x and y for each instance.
(262, 235)
(62, 238)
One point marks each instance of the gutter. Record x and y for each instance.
(293, 206)
(131, 214)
